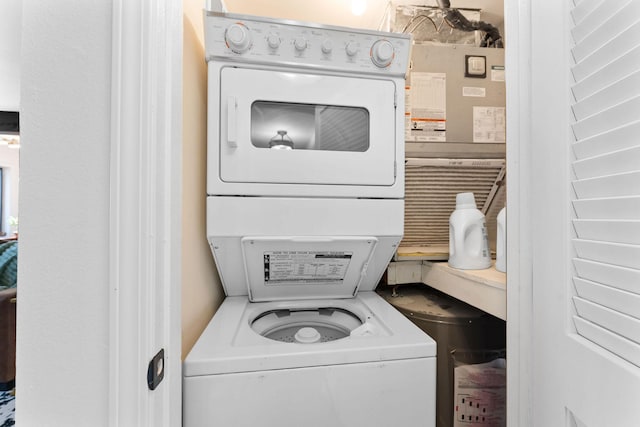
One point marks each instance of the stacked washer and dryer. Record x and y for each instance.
(305, 190)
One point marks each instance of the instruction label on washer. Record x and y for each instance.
(282, 267)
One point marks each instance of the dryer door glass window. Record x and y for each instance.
(281, 125)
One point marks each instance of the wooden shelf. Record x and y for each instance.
(484, 289)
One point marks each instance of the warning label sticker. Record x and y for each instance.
(427, 102)
(283, 267)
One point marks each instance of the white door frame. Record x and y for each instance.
(519, 236)
(145, 210)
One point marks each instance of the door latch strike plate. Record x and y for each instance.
(155, 372)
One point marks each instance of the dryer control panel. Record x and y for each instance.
(266, 41)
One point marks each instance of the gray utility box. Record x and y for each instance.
(456, 94)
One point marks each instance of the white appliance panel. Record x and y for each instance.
(338, 396)
(306, 45)
(245, 158)
(230, 219)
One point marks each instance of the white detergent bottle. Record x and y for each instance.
(501, 243)
(468, 242)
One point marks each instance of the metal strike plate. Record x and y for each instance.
(155, 372)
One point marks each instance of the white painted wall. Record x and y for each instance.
(10, 164)
(63, 306)
(10, 29)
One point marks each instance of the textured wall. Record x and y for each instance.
(63, 302)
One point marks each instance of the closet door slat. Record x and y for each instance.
(622, 278)
(607, 75)
(611, 140)
(605, 120)
(583, 9)
(617, 93)
(612, 320)
(606, 230)
(605, 23)
(622, 184)
(615, 299)
(608, 53)
(612, 163)
(622, 347)
(619, 254)
(608, 208)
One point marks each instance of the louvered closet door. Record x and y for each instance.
(586, 215)
(606, 170)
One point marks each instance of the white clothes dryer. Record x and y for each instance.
(304, 211)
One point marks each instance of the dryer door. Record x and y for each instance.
(295, 128)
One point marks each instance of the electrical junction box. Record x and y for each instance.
(456, 94)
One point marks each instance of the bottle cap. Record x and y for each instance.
(465, 201)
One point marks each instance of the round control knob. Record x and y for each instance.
(300, 43)
(273, 40)
(327, 46)
(351, 48)
(238, 37)
(382, 53)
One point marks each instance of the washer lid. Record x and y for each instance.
(289, 268)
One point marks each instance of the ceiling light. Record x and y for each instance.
(358, 7)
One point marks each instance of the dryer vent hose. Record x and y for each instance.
(455, 19)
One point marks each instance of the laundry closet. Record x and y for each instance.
(121, 238)
(335, 157)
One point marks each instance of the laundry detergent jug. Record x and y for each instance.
(468, 242)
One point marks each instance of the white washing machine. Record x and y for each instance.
(304, 211)
(335, 362)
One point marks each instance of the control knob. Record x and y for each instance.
(351, 48)
(327, 46)
(300, 43)
(273, 40)
(382, 53)
(238, 37)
